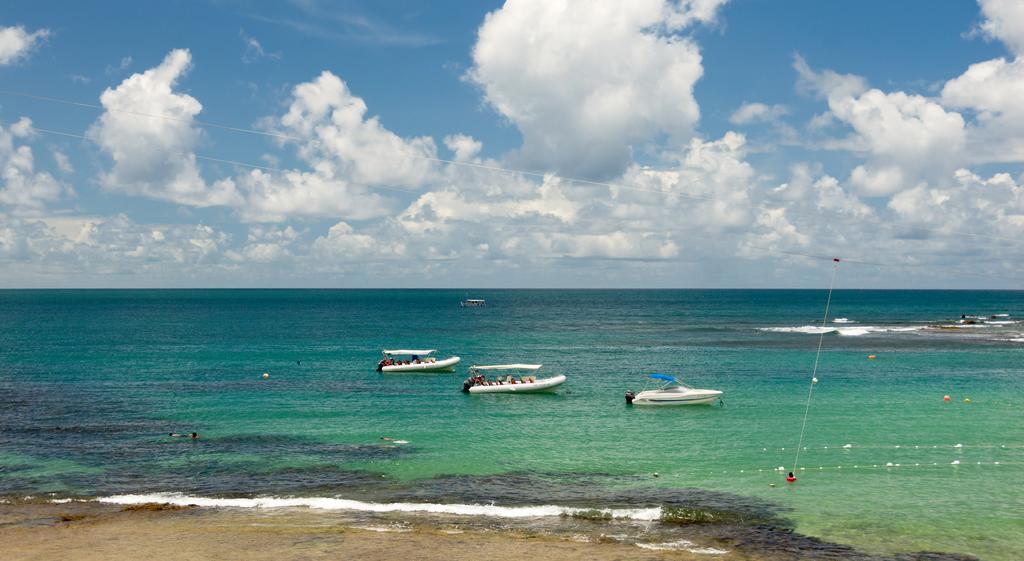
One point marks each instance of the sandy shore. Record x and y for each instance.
(88, 531)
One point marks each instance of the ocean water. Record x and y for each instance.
(91, 382)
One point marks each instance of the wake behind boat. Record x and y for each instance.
(672, 392)
(478, 382)
(412, 360)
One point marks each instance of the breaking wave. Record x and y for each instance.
(329, 503)
(844, 331)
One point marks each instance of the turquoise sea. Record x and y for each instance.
(91, 382)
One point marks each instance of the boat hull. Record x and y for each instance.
(701, 398)
(446, 365)
(540, 386)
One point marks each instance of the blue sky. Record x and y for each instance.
(685, 143)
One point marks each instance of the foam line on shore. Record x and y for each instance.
(329, 503)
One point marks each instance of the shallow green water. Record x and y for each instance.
(92, 381)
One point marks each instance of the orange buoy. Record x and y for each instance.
(945, 398)
(872, 357)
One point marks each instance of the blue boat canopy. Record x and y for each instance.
(665, 377)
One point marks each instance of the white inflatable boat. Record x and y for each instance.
(478, 382)
(400, 361)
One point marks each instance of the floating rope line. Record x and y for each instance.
(817, 357)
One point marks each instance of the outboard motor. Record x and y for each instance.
(467, 384)
(380, 365)
(630, 396)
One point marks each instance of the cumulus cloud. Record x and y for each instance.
(992, 206)
(1004, 20)
(908, 138)
(153, 156)
(342, 243)
(585, 83)
(278, 196)
(993, 89)
(340, 138)
(22, 187)
(16, 44)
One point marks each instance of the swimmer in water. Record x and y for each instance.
(791, 478)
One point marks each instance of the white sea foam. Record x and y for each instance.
(682, 545)
(844, 331)
(329, 503)
(1000, 322)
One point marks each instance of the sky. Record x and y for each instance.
(531, 143)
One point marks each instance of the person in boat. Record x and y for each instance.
(415, 359)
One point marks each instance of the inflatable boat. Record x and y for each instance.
(507, 383)
(400, 361)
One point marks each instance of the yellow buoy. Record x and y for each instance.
(967, 400)
(265, 375)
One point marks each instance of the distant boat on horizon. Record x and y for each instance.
(473, 303)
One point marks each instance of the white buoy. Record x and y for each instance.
(955, 463)
(958, 446)
(266, 375)
(814, 380)
(847, 445)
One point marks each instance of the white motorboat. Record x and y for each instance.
(412, 360)
(672, 392)
(507, 383)
(473, 303)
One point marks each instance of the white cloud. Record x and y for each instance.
(988, 207)
(993, 90)
(611, 245)
(342, 142)
(343, 243)
(22, 187)
(757, 113)
(94, 251)
(464, 147)
(585, 83)
(275, 197)
(1004, 20)
(827, 83)
(153, 156)
(909, 138)
(16, 43)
